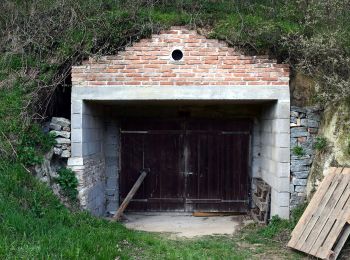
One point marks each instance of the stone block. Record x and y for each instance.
(301, 175)
(291, 188)
(298, 109)
(301, 161)
(295, 157)
(55, 127)
(300, 182)
(313, 123)
(62, 140)
(296, 200)
(312, 130)
(294, 113)
(65, 154)
(299, 168)
(60, 121)
(300, 188)
(298, 132)
(63, 134)
(302, 139)
(315, 116)
(303, 122)
(57, 150)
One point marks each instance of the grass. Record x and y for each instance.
(34, 225)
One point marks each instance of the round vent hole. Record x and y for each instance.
(177, 54)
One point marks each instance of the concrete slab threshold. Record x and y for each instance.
(185, 225)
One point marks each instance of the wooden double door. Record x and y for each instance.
(195, 164)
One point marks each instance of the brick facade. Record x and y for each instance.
(205, 62)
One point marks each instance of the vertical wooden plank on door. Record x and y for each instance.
(162, 153)
(132, 163)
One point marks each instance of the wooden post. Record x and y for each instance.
(130, 195)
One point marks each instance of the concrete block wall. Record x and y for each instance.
(275, 155)
(88, 160)
(256, 150)
(111, 151)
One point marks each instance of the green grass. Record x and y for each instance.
(34, 225)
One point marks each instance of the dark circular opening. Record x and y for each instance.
(177, 54)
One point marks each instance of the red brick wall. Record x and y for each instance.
(205, 62)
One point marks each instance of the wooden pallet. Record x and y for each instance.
(261, 199)
(324, 227)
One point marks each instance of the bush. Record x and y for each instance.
(68, 183)
(320, 143)
(298, 151)
(33, 144)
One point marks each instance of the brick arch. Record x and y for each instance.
(205, 62)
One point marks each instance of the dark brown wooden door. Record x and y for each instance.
(195, 165)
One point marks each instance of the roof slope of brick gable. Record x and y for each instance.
(205, 62)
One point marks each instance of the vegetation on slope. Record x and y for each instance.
(41, 39)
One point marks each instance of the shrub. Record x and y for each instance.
(33, 144)
(320, 143)
(298, 151)
(68, 183)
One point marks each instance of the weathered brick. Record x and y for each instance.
(205, 62)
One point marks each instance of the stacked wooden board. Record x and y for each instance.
(261, 199)
(324, 227)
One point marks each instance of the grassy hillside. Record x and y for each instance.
(35, 225)
(41, 39)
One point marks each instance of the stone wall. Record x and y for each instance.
(60, 127)
(92, 184)
(57, 157)
(304, 123)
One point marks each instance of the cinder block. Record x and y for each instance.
(76, 121)
(280, 198)
(77, 106)
(77, 136)
(281, 154)
(282, 140)
(77, 150)
(283, 169)
(281, 126)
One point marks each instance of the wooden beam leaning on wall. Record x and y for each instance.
(130, 195)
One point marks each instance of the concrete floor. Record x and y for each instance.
(185, 225)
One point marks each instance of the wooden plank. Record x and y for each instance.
(325, 214)
(338, 227)
(332, 215)
(344, 236)
(324, 228)
(314, 203)
(130, 195)
(318, 208)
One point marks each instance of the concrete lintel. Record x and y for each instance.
(125, 93)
